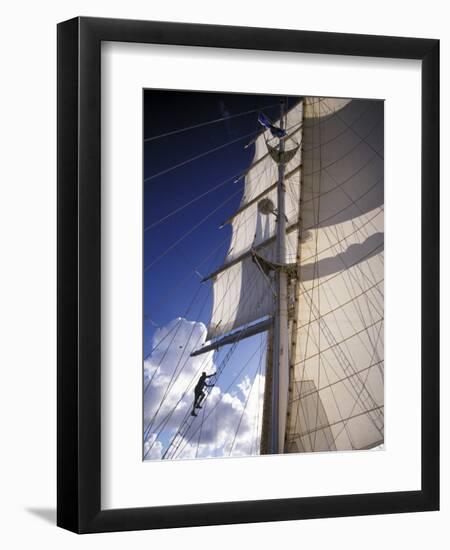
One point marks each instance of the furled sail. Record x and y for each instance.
(336, 361)
(242, 291)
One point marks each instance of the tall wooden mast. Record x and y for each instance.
(280, 374)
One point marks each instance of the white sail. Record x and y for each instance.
(336, 375)
(242, 291)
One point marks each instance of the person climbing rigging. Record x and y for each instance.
(199, 394)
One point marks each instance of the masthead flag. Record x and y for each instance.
(275, 130)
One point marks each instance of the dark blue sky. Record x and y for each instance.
(170, 284)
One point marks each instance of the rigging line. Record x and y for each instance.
(381, 431)
(264, 275)
(245, 220)
(221, 368)
(170, 384)
(196, 157)
(153, 349)
(335, 137)
(336, 401)
(185, 426)
(363, 387)
(201, 429)
(191, 382)
(201, 124)
(196, 226)
(266, 156)
(257, 412)
(195, 199)
(319, 314)
(354, 131)
(329, 218)
(184, 280)
(347, 378)
(173, 328)
(346, 180)
(315, 218)
(172, 294)
(355, 201)
(341, 240)
(350, 150)
(258, 194)
(367, 279)
(342, 305)
(324, 426)
(356, 373)
(149, 383)
(173, 381)
(357, 384)
(247, 399)
(371, 334)
(221, 397)
(245, 252)
(260, 401)
(362, 284)
(161, 426)
(353, 276)
(176, 327)
(346, 267)
(220, 302)
(294, 198)
(354, 301)
(356, 389)
(236, 229)
(150, 425)
(176, 332)
(348, 366)
(181, 434)
(319, 318)
(187, 309)
(336, 344)
(290, 254)
(240, 304)
(291, 424)
(365, 231)
(243, 302)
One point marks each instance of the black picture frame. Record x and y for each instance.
(79, 281)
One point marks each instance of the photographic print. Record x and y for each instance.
(263, 240)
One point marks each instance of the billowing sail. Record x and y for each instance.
(336, 373)
(242, 291)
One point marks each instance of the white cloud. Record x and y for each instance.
(173, 374)
(153, 448)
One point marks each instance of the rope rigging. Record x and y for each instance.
(195, 199)
(165, 421)
(188, 419)
(196, 226)
(202, 124)
(355, 379)
(244, 409)
(181, 436)
(242, 223)
(199, 156)
(173, 380)
(358, 280)
(181, 283)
